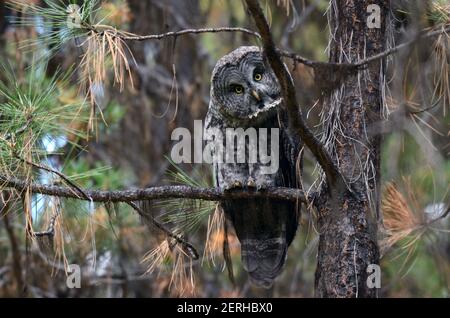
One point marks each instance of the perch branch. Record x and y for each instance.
(154, 193)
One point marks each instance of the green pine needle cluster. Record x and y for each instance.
(31, 110)
(57, 21)
(187, 215)
(439, 12)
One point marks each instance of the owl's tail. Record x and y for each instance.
(265, 229)
(263, 259)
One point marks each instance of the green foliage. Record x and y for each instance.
(59, 22)
(30, 109)
(187, 215)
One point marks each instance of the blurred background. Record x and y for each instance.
(119, 137)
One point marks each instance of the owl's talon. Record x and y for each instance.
(237, 184)
(251, 183)
(233, 185)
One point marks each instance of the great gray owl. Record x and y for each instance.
(245, 93)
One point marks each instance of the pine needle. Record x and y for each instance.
(214, 235)
(399, 219)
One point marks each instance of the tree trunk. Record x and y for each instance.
(348, 219)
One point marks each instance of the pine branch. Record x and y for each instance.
(311, 63)
(187, 247)
(154, 193)
(423, 34)
(133, 37)
(59, 174)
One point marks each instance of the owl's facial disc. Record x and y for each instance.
(247, 91)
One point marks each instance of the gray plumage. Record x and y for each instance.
(245, 93)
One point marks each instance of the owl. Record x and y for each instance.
(245, 94)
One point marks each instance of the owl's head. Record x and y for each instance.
(244, 88)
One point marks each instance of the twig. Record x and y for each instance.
(19, 131)
(50, 232)
(60, 174)
(311, 63)
(421, 35)
(296, 57)
(296, 123)
(134, 37)
(154, 193)
(185, 245)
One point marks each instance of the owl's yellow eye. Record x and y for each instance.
(238, 89)
(257, 77)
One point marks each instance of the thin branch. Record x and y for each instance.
(50, 232)
(421, 35)
(134, 37)
(154, 193)
(19, 131)
(296, 57)
(296, 122)
(311, 63)
(60, 174)
(185, 245)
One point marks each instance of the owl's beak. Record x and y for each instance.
(255, 95)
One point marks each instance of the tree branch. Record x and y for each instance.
(133, 37)
(291, 55)
(296, 123)
(421, 35)
(311, 63)
(59, 174)
(154, 193)
(187, 247)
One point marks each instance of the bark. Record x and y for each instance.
(347, 220)
(5, 209)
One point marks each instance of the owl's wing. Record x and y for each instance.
(291, 161)
(291, 155)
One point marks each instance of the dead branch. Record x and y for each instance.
(187, 247)
(59, 174)
(423, 34)
(186, 31)
(291, 55)
(354, 66)
(154, 193)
